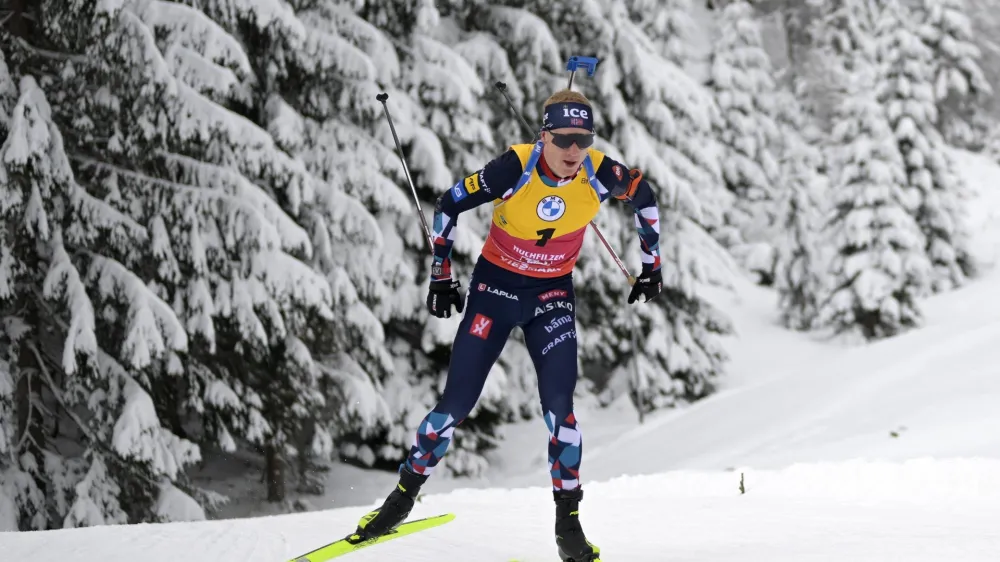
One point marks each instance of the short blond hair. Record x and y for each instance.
(564, 96)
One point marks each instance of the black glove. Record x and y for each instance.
(627, 185)
(649, 284)
(443, 294)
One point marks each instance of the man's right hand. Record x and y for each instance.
(442, 295)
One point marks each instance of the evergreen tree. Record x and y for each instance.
(305, 77)
(176, 210)
(839, 32)
(246, 339)
(801, 262)
(879, 270)
(670, 26)
(652, 115)
(83, 334)
(694, 154)
(934, 190)
(960, 85)
(741, 80)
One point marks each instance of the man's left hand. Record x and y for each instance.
(648, 284)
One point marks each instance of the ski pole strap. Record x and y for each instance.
(588, 166)
(529, 167)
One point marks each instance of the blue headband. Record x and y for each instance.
(568, 115)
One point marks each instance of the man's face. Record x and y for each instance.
(564, 161)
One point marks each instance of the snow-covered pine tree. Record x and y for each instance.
(435, 101)
(22, 426)
(83, 333)
(934, 190)
(960, 86)
(879, 270)
(741, 80)
(800, 249)
(154, 147)
(362, 229)
(670, 26)
(845, 27)
(289, 70)
(838, 31)
(695, 115)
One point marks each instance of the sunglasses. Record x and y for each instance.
(583, 140)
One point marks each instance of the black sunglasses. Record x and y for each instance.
(583, 140)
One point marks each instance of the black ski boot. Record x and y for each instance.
(395, 509)
(573, 545)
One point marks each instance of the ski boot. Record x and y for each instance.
(573, 545)
(395, 509)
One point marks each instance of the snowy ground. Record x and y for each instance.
(922, 510)
(879, 453)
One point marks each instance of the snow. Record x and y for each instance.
(921, 510)
(175, 505)
(812, 450)
(138, 435)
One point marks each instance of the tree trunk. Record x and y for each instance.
(176, 399)
(30, 417)
(275, 474)
(18, 24)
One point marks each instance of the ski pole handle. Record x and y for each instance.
(575, 62)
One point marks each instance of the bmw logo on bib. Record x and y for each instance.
(551, 208)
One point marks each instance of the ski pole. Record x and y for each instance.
(383, 97)
(591, 65)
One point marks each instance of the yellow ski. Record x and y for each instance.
(354, 542)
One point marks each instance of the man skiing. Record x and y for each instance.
(544, 195)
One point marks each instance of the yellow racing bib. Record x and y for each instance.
(538, 229)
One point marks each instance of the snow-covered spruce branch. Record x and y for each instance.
(293, 236)
(340, 20)
(63, 279)
(54, 55)
(338, 58)
(148, 313)
(206, 77)
(526, 28)
(95, 212)
(57, 393)
(201, 197)
(253, 149)
(285, 276)
(721, 269)
(94, 440)
(192, 28)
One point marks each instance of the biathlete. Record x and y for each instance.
(544, 195)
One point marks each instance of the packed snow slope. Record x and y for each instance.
(932, 392)
(810, 452)
(916, 511)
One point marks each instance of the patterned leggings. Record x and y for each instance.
(498, 301)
